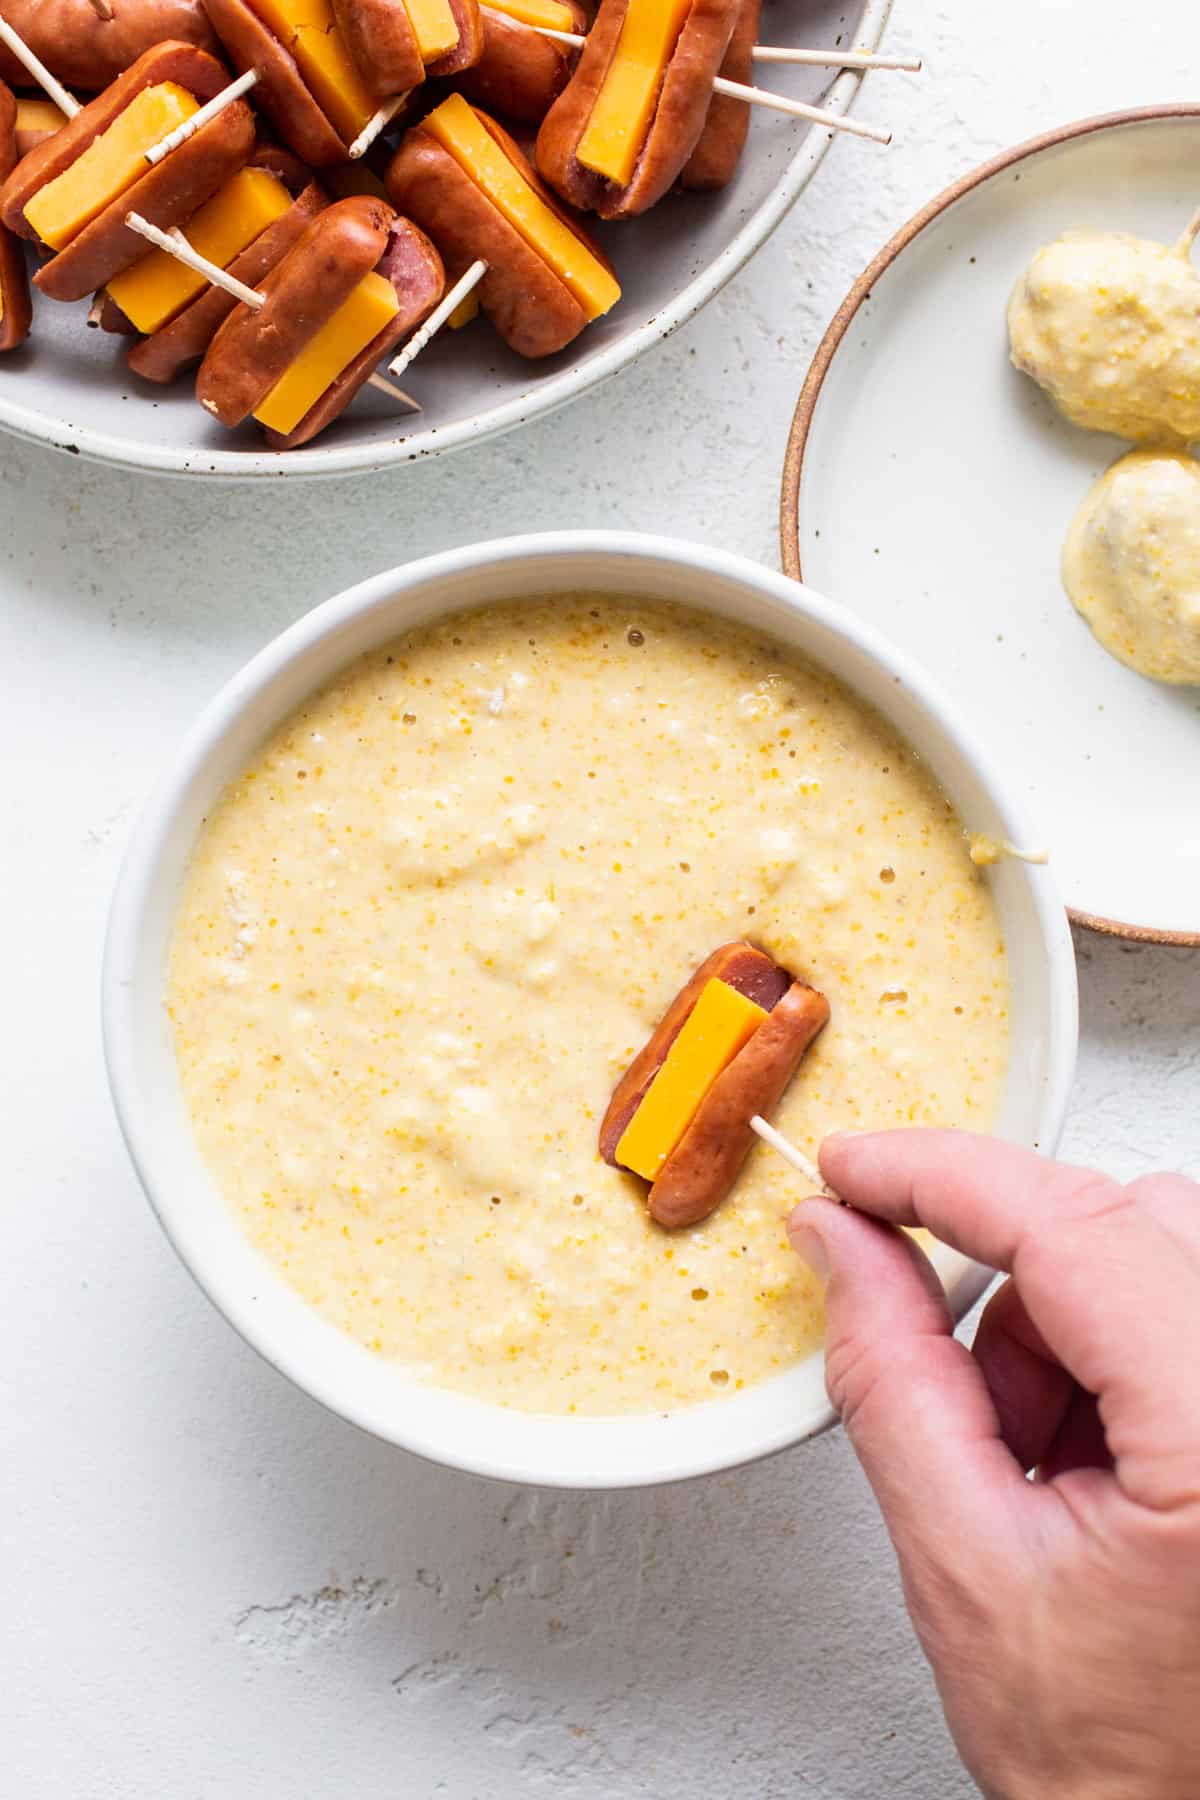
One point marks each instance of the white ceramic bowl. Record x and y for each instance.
(567, 1452)
(69, 387)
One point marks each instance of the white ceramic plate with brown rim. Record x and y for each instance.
(929, 487)
(70, 388)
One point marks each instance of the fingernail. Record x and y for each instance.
(842, 1137)
(809, 1248)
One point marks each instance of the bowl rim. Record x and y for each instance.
(141, 871)
(30, 423)
(814, 381)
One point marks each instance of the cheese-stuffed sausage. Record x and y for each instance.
(167, 193)
(253, 348)
(714, 161)
(538, 308)
(282, 90)
(200, 74)
(521, 71)
(94, 243)
(87, 51)
(707, 1160)
(15, 312)
(583, 130)
(413, 267)
(231, 209)
(385, 43)
(380, 37)
(309, 82)
(182, 342)
(740, 966)
(346, 248)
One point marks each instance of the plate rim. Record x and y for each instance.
(31, 425)
(814, 381)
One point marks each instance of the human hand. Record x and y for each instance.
(1061, 1616)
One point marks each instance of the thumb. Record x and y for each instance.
(913, 1400)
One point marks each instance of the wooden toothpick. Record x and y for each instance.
(210, 110)
(379, 121)
(65, 102)
(437, 318)
(176, 245)
(790, 1154)
(835, 59)
(753, 96)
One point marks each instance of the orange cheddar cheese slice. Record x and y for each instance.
(547, 14)
(717, 1027)
(308, 30)
(613, 138)
(38, 118)
(434, 27)
(360, 318)
(111, 163)
(460, 131)
(159, 286)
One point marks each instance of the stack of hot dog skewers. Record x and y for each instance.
(464, 220)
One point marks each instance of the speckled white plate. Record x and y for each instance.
(69, 387)
(929, 487)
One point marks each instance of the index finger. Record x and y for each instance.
(1109, 1275)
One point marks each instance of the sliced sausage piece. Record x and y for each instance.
(380, 37)
(683, 103)
(469, 48)
(184, 339)
(86, 51)
(16, 314)
(253, 348)
(281, 90)
(521, 72)
(414, 268)
(739, 965)
(713, 163)
(201, 74)
(111, 318)
(534, 312)
(708, 1158)
(167, 194)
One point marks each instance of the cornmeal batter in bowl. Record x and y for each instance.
(427, 928)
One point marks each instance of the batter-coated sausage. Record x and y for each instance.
(167, 194)
(739, 965)
(201, 75)
(281, 90)
(713, 163)
(85, 51)
(533, 311)
(414, 268)
(380, 37)
(184, 339)
(16, 317)
(253, 348)
(521, 72)
(708, 1158)
(683, 102)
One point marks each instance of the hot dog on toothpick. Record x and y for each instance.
(73, 191)
(463, 179)
(722, 1054)
(357, 280)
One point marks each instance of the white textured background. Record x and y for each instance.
(210, 1587)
